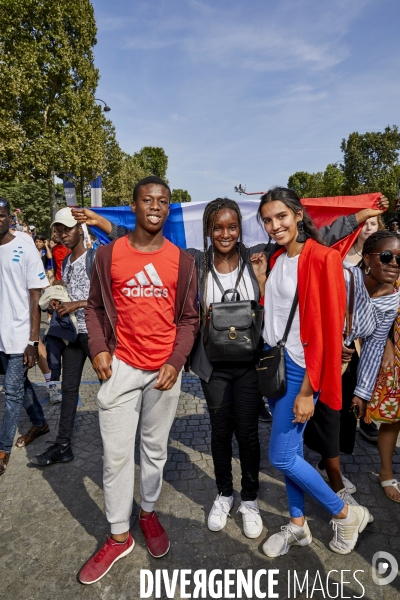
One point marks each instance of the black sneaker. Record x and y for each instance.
(57, 453)
(368, 430)
(264, 415)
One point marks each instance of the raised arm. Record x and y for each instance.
(344, 226)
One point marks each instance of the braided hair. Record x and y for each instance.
(374, 240)
(212, 209)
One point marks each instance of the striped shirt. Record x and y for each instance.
(372, 320)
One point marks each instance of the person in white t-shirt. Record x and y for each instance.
(21, 279)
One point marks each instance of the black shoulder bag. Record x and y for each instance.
(271, 370)
(232, 328)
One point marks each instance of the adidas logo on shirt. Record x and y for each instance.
(146, 283)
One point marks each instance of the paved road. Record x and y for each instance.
(52, 519)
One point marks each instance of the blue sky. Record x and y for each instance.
(247, 91)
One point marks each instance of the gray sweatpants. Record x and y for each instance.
(124, 398)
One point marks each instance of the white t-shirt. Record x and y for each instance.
(21, 269)
(279, 293)
(23, 236)
(228, 281)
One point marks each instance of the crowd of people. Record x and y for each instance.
(330, 328)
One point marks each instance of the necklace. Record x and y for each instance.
(356, 251)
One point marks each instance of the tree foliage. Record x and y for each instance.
(306, 185)
(153, 161)
(333, 181)
(32, 199)
(178, 196)
(49, 120)
(125, 170)
(371, 162)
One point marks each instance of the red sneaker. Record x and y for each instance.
(157, 540)
(101, 562)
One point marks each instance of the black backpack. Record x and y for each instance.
(90, 256)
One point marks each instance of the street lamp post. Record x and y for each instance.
(106, 107)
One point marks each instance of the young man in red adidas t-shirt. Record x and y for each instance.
(142, 322)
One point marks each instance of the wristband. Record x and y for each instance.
(34, 344)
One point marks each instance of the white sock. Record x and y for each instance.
(47, 378)
(298, 526)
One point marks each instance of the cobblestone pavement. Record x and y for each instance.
(52, 519)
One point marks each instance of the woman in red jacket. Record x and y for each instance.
(312, 359)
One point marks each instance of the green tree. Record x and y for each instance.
(307, 185)
(124, 170)
(31, 198)
(178, 196)
(114, 168)
(333, 181)
(49, 121)
(371, 162)
(153, 161)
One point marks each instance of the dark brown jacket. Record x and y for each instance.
(101, 313)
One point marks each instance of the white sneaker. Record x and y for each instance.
(55, 396)
(350, 487)
(219, 512)
(348, 499)
(252, 522)
(290, 535)
(347, 530)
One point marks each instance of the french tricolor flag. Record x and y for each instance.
(184, 226)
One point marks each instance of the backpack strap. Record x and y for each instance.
(217, 281)
(90, 256)
(64, 264)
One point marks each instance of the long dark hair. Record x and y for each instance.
(214, 207)
(292, 201)
(374, 240)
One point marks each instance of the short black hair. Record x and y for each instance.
(145, 181)
(5, 204)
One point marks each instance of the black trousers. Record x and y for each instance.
(233, 402)
(348, 421)
(74, 357)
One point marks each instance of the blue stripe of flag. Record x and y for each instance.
(174, 229)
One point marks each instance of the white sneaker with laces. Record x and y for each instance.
(348, 499)
(55, 396)
(350, 487)
(347, 530)
(219, 512)
(252, 522)
(290, 535)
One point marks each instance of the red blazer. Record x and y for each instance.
(322, 306)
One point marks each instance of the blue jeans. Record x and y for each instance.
(286, 450)
(18, 392)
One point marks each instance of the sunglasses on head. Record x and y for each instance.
(387, 256)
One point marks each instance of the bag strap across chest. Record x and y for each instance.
(283, 341)
(350, 305)
(233, 290)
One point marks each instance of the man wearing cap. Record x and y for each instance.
(21, 279)
(75, 273)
